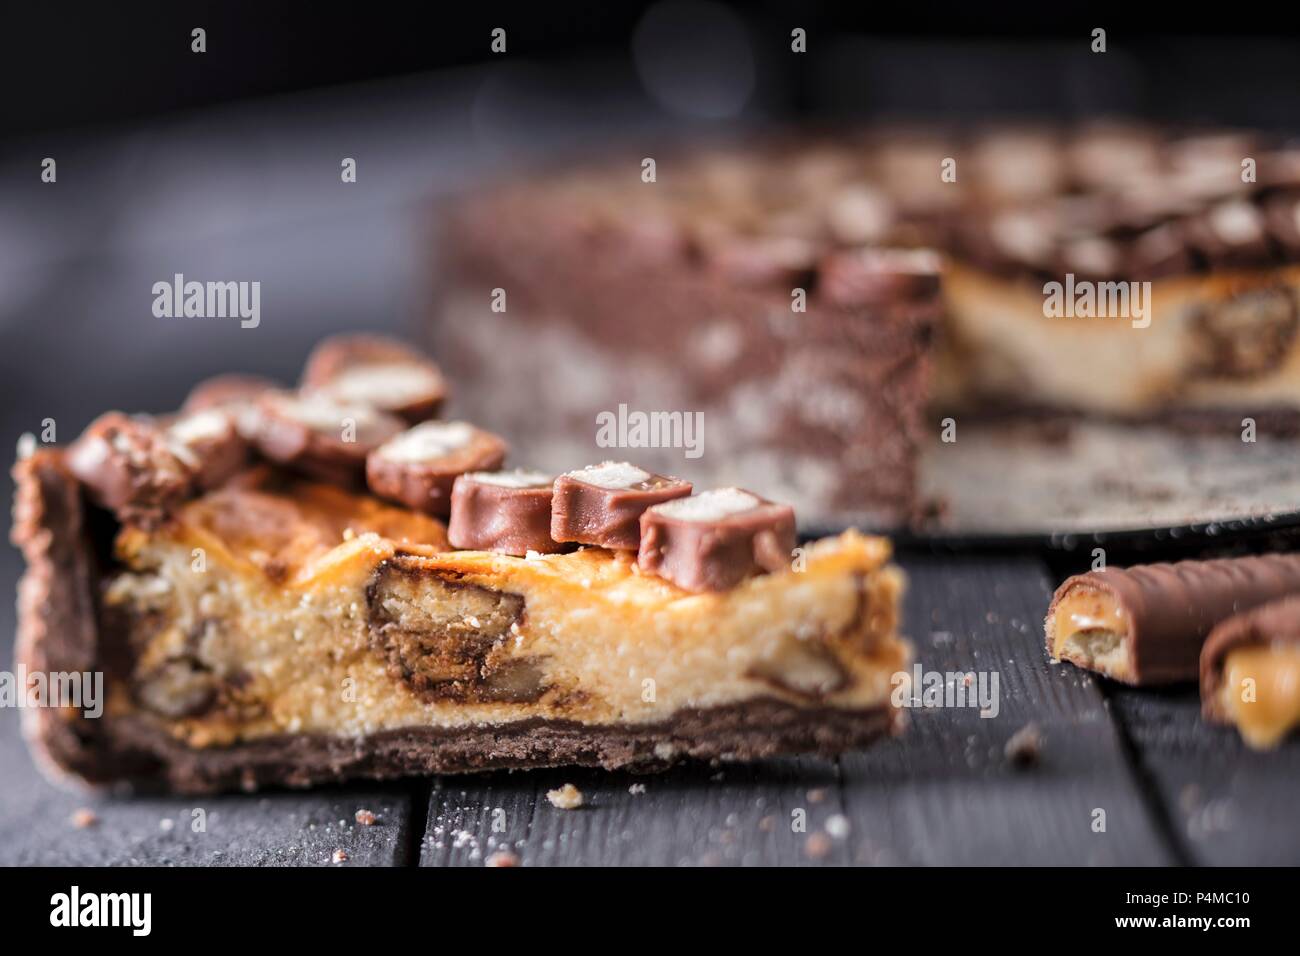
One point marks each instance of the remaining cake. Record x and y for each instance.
(273, 628)
(749, 284)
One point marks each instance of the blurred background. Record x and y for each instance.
(225, 165)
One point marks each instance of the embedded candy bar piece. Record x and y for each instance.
(379, 372)
(419, 466)
(1146, 625)
(602, 504)
(1250, 673)
(504, 511)
(141, 468)
(319, 436)
(880, 277)
(233, 394)
(714, 540)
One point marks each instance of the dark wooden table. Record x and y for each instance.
(1172, 789)
(254, 193)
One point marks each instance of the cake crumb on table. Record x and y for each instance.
(1024, 746)
(817, 846)
(502, 858)
(568, 797)
(84, 817)
(366, 818)
(340, 856)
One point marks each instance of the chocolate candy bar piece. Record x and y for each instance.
(419, 466)
(1250, 673)
(602, 504)
(379, 372)
(880, 277)
(233, 394)
(318, 436)
(142, 468)
(714, 540)
(1146, 624)
(504, 511)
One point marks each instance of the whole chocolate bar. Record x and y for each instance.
(714, 540)
(602, 504)
(504, 511)
(1250, 672)
(419, 466)
(375, 371)
(1146, 624)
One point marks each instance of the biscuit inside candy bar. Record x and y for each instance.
(428, 440)
(712, 505)
(518, 478)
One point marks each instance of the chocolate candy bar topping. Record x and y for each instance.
(602, 504)
(714, 540)
(419, 466)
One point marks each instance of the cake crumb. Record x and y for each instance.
(636, 788)
(568, 797)
(340, 856)
(1025, 746)
(366, 818)
(502, 858)
(816, 795)
(817, 846)
(84, 817)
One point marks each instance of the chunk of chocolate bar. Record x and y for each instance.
(1146, 624)
(233, 394)
(602, 504)
(378, 372)
(504, 511)
(319, 436)
(419, 466)
(1250, 672)
(714, 540)
(879, 277)
(141, 467)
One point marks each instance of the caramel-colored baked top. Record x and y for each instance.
(283, 526)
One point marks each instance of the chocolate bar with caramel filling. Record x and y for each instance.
(1250, 673)
(1146, 624)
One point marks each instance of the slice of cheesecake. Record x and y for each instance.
(276, 630)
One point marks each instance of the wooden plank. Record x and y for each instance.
(37, 823)
(1227, 805)
(946, 793)
(691, 816)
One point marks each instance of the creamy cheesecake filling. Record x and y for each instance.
(1219, 341)
(1260, 692)
(1091, 629)
(308, 610)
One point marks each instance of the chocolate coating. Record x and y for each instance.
(1171, 608)
(233, 394)
(419, 467)
(508, 512)
(587, 509)
(376, 371)
(711, 550)
(309, 432)
(1277, 622)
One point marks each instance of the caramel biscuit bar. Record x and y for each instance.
(1250, 673)
(1146, 624)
